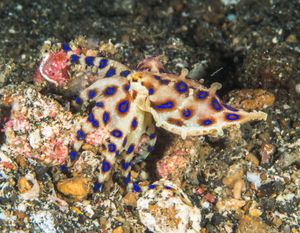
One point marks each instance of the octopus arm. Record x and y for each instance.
(187, 108)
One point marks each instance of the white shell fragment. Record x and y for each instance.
(166, 209)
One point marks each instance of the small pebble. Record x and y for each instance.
(76, 187)
(24, 185)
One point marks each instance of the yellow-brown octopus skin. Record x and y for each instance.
(128, 104)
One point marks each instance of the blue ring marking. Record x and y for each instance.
(230, 108)
(105, 166)
(73, 155)
(165, 81)
(150, 149)
(130, 149)
(186, 113)
(80, 135)
(91, 117)
(150, 91)
(100, 104)
(125, 165)
(95, 124)
(216, 105)
(207, 122)
(124, 142)
(89, 60)
(168, 187)
(63, 168)
(181, 87)
(202, 95)
(103, 63)
(136, 188)
(127, 87)
(112, 147)
(74, 58)
(151, 186)
(157, 77)
(127, 179)
(152, 136)
(168, 104)
(78, 100)
(97, 187)
(105, 117)
(92, 94)
(134, 123)
(124, 73)
(66, 47)
(111, 72)
(117, 133)
(123, 106)
(110, 91)
(232, 117)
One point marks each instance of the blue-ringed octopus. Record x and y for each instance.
(128, 104)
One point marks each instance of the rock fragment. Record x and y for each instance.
(77, 187)
(167, 210)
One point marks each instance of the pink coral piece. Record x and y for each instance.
(54, 68)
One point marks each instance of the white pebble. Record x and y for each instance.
(254, 178)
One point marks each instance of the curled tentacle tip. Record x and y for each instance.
(184, 72)
(214, 87)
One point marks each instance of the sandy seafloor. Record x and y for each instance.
(241, 44)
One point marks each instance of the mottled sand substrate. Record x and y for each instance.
(248, 177)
